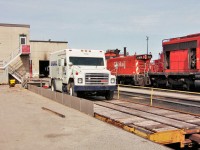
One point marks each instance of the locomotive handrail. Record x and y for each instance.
(160, 65)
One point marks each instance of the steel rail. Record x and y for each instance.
(161, 89)
(184, 102)
(183, 112)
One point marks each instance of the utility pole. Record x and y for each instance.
(147, 44)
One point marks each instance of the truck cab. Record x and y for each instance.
(80, 72)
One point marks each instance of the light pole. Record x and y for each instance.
(147, 44)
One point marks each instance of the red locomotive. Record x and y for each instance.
(129, 69)
(180, 63)
(157, 65)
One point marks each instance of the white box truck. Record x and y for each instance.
(80, 72)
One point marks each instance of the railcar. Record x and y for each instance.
(129, 69)
(179, 63)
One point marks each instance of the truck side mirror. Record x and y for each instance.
(62, 62)
(70, 64)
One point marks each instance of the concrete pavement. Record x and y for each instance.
(24, 125)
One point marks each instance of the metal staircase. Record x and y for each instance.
(15, 74)
(14, 55)
(13, 70)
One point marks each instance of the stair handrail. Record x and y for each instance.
(11, 70)
(1, 63)
(16, 65)
(10, 58)
(24, 82)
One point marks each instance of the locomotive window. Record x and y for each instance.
(87, 61)
(183, 45)
(167, 62)
(192, 58)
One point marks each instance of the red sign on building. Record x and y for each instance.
(25, 49)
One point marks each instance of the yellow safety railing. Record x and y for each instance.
(152, 91)
(151, 97)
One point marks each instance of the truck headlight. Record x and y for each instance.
(80, 80)
(112, 80)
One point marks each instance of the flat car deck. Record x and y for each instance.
(156, 124)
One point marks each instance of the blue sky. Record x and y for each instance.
(105, 24)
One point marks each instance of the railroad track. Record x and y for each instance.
(181, 101)
(164, 98)
(197, 92)
(156, 124)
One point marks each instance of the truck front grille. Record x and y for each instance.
(96, 78)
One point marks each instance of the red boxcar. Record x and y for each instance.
(129, 69)
(181, 63)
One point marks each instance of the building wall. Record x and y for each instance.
(40, 50)
(4, 76)
(10, 42)
(10, 38)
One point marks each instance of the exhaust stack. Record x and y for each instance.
(124, 51)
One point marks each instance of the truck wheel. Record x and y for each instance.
(109, 95)
(71, 89)
(53, 85)
(64, 88)
(80, 94)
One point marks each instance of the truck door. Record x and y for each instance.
(64, 70)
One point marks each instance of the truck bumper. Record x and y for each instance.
(95, 88)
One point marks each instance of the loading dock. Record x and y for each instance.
(43, 68)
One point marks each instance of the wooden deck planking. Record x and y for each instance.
(131, 120)
(166, 113)
(161, 119)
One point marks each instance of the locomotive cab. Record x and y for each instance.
(181, 62)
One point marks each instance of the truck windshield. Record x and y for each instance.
(87, 61)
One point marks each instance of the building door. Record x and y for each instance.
(43, 68)
(22, 39)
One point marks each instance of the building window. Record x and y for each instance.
(22, 39)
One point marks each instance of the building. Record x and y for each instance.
(22, 58)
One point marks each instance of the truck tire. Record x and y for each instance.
(64, 88)
(71, 90)
(53, 85)
(109, 95)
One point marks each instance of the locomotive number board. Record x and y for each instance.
(143, 56)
